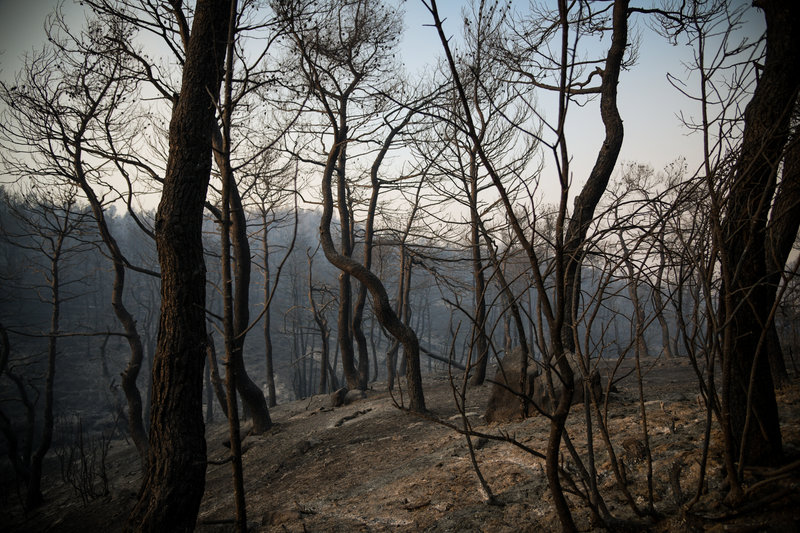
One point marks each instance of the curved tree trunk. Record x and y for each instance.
(582, 216)
(569, 254)
(174, 480)
(586, 201)
(128, 322)
(369, 235)
(380, 300)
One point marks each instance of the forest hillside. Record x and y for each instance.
(370, 466)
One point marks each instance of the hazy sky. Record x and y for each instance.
(21, 27)
(648, 104)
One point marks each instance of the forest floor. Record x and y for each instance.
(369, 466)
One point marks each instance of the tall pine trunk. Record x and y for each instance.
(174, 480)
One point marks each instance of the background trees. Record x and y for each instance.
(52, 226)
(65, 116)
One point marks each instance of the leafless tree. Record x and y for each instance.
(68, 101)
(338, 57)
(54, 226)
(746, 158)
(560, 310)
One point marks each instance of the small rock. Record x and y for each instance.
(305, 445)
(338, 397)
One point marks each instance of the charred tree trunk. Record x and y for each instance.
(267, 326)
(481, 344)
(6, 429)
(586, 201)
(781, 231)
(747, 297)
(391, 353)
(571, 255)
(344, 324)
(252, 396)
(174, 479)
(380, 300)
(235, 308)
(33, 497)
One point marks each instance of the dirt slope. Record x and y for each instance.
(369, 466)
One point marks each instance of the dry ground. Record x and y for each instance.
(368, 466)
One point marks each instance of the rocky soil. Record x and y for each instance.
(370, 466)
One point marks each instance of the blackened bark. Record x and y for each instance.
(234, 341)
(481, 344)
(344, 324)
(747, 297)
(586, 201)
(360, 338)
(582, 215)
(174, 480)
(782, 229)
(405, 308)
(344, 333)
(16, 458)
(267, 326)
(391, 353)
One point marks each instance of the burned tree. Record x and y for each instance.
(175, 477)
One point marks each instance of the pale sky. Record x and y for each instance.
(648, 104)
